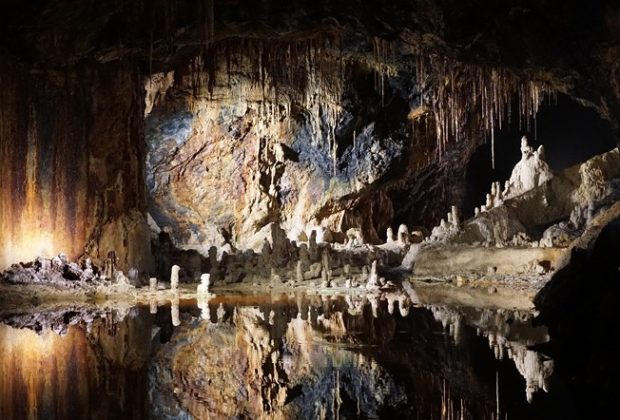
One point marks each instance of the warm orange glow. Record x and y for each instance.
(38, 213)
(43, 374)
(27, 247)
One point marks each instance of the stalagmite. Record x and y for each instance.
(355, 237)
(299, 272)
(530, 172)
(325, 279)
(153, 284)
(266, 253)
(403, 235)
(312, 246)
(203, 287)
(174, 277)
(456, 217)
(390, 236)
(325, 263)
(489, 202)
(304, 256)
(275, 278)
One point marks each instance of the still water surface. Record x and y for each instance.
(285, 356)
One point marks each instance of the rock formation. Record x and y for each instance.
(174, 277)
(530, 172)
(203, 287)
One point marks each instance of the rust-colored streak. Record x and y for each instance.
(78, 375)
(34, 381)
(69, 159)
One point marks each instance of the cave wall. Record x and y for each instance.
(72, 174)
(225, 159)
(262, 128)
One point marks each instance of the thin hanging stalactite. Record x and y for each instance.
(455, 89)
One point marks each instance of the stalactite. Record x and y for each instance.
(457, 89)
(383, 68)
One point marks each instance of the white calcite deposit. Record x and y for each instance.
(530, 172)
(174, 277)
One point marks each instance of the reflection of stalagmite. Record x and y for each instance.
(391, 299)
(404, 306)
(355, 304)
(220, 312)
(373, 277)
(374, 304)
(534, 367)
(174, 311)
(203, 305)
(153, 305)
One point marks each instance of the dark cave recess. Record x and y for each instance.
(570, 132)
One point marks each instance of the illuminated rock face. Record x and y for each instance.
(71, 173)
(221, 170)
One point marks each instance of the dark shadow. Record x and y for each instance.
(579, 306)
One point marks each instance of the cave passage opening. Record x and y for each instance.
(570, 132)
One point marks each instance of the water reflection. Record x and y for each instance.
(93, 368)
(288, 356)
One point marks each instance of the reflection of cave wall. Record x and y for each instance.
(71, 173)
(99, 373)
(300, 359)
(570, 133)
